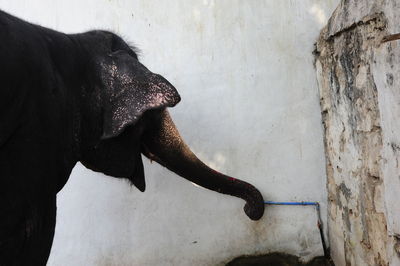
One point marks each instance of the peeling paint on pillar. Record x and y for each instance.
(353, 141)
(358, 79)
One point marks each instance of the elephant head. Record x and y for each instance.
(123, 115)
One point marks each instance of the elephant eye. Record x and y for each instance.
(124, 52)
(133, 54)
(133, 51)
(120, 45)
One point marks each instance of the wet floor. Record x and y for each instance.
(278, 259)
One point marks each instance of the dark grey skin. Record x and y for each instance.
(82, 97)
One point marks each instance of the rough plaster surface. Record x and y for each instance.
(358, 80)
(249, 108)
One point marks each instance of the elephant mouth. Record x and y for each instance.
(137, 176)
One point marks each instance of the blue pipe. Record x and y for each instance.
(292, 203)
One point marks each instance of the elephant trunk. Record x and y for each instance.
(163, 144)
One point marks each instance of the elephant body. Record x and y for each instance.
(83, 97)
(36, 154)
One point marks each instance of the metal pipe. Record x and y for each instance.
(319, 221)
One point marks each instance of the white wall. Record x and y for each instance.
(250, 109)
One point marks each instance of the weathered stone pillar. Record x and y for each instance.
(359, 83)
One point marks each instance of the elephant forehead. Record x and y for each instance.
(129, 105)
(125, 106)
(130, 89)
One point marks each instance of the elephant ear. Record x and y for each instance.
(131, 89)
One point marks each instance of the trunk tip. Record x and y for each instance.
(254, 210)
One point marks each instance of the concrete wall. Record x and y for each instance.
(359, 82)
(250, 109)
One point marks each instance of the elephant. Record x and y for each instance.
(85, 97)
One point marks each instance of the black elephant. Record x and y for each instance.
(84, 97)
